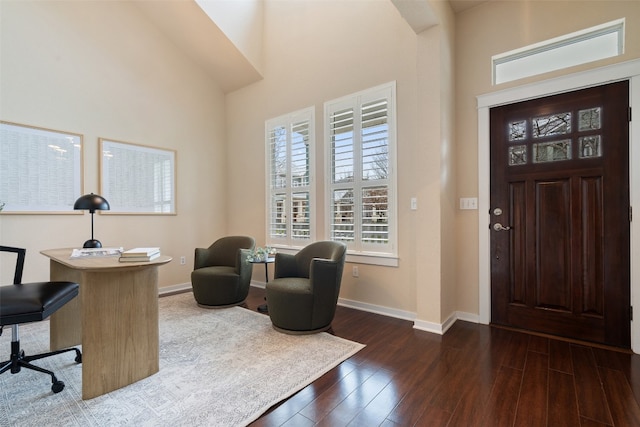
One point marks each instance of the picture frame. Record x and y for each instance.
(41, 169)
(137, 179)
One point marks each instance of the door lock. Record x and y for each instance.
(499, 227)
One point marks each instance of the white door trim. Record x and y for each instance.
(624, 71)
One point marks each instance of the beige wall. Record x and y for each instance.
(520, 23)
(434, 171)
(448, 176)
(316, 51)
(101, 70)
(307, 63)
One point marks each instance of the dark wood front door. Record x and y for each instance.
(560, 215)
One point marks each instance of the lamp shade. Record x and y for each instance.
(91, 202)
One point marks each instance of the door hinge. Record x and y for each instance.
(629, 114)
(631, 313)
(630, 213)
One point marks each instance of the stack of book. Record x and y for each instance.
(95, 252)
(140, 255)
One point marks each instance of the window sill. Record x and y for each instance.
(373, 259)
(353, 257)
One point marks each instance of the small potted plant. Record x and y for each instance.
(260, 254)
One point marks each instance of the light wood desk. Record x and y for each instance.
(115, 318)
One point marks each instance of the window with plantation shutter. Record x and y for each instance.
(289, 143)
(360, 140)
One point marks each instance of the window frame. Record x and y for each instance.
(287, 121)
(357, 251)
(513, 65)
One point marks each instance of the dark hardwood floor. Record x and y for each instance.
(474, 375)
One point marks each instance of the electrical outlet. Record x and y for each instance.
(183, 260)
(355, 272)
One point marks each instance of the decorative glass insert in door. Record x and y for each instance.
(517, 130)
(589, 119)
(589, 146)
(518, 155)
(552, 151)
(554, 124)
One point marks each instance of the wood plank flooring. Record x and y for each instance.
(474, 375)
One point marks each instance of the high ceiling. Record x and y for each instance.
(194, 33)
(460, 5)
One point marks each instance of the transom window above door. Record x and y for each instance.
(592, 44)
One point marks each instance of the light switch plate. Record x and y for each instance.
(469, 203)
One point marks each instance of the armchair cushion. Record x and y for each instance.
(285, 266)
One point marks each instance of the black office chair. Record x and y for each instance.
(31, 302)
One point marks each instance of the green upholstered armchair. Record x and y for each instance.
(303, 294)
(221, 274)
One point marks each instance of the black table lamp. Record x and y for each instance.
(92, 203)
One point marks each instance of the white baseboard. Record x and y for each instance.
(442, 328)
(377, 309)
(423, 325)
(468, 317)
(174, 289)
(436, 328)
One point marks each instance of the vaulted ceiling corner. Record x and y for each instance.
(192, 31)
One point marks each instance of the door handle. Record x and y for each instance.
(499, 227)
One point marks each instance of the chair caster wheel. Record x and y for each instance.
(57, 387)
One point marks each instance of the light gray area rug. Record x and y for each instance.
(217, 368)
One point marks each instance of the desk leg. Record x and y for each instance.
(120, 332)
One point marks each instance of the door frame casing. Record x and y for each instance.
(629, 70)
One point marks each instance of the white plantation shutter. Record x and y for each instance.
(342, 150)
(289, 141)
(300, 154)
(375, 140)
(361, 191)
(342, 213)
